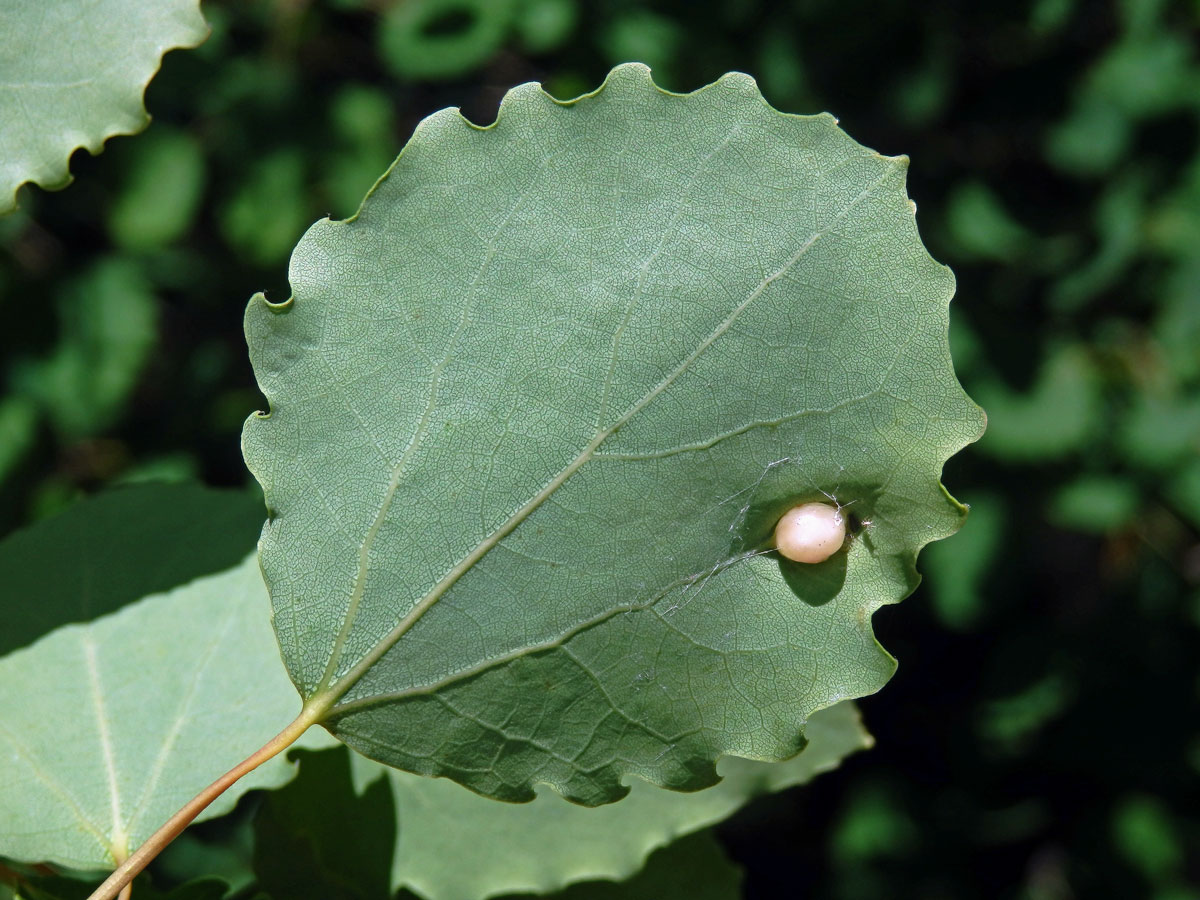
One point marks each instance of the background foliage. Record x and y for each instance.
(1039, 739)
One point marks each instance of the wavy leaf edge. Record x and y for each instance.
(55, 175)
(705, 775)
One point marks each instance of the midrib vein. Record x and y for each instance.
(118, 838)
(364, 551)
(331, 690)
(168, 744)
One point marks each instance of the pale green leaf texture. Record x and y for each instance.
(72, 75)
(109, 726)
(536, 409)
(454, 845)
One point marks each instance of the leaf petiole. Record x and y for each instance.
(121, 877)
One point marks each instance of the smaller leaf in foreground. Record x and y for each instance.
(74, 74)
(108, 726)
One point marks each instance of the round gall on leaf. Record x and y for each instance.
(810, 533)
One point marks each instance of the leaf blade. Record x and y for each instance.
(112, 722)
(75, 75)
(420, 511)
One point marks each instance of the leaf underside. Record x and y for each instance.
(535, 410)
(72, 75)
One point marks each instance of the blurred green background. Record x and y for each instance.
(1040, 739)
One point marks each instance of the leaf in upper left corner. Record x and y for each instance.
(74, 74)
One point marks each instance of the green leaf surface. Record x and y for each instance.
(72, 75)
(454, 845)
(442, 38)
(109, 726)
(121, 545)
(536, 409)
(108, 328)
(161, 191)
(18, 430)
(1055, 417)
(959, 572)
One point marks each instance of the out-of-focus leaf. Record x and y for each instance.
(116, 548)
(965, 345)
(1177, 328)
(981, 227)
(873, 824)
(1184, 491)
(1090, 140)
(73, 76)
(483, 378)
(173, 468)
(362, 116)
(108, 327)
(1173, 224)
(1144, 834)
(1146, 73)
(1095, 503)
(442, 38)
(781, 71)
(958, 571)
(1010, 721)
(1160, 430)
(643, 35)
(452, 844)
(319, 838)
(269, 211)
(161, 191)
(693, 868)
(920, 96)
(18, 429)
(1055, 417)
(1119, 215)
(363, 120)
(1047, 17)
(1145, 76)
(545, 24)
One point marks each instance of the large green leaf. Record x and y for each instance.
(72, 75)
(536, 409)
(109, 726)
(454, 845)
